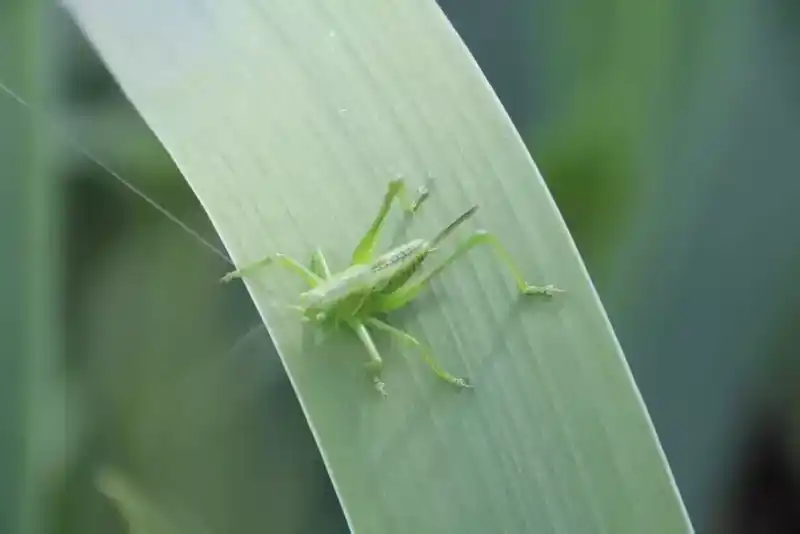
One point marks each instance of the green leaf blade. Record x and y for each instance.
(288, 119)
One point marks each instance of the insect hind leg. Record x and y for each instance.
(411, 290)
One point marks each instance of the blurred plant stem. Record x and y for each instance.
(30, 449)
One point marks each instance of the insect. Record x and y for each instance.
(364, 293)
(361, 295)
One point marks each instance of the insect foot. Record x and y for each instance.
(247, 269)
(374, 368)
(462, 383)
(422, 195)
(229, 276)
(548, 290)
(379, 385)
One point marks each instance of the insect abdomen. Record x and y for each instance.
(400, 257)
(394, 268)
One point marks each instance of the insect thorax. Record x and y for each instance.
(337, 288)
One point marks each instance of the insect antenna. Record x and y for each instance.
(138, 192)
(66, 139)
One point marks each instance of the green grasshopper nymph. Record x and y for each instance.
(361, 294)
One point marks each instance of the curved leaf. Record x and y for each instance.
(288, 118)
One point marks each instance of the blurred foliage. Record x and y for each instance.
(586, 82)
(141, 372)
(13, 369)
(30, 411)
(143, 514)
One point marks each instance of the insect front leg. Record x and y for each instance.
(424, 351)
(411, 290)
(364, 251)
(286, 262)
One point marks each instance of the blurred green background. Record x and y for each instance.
(668, 132)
